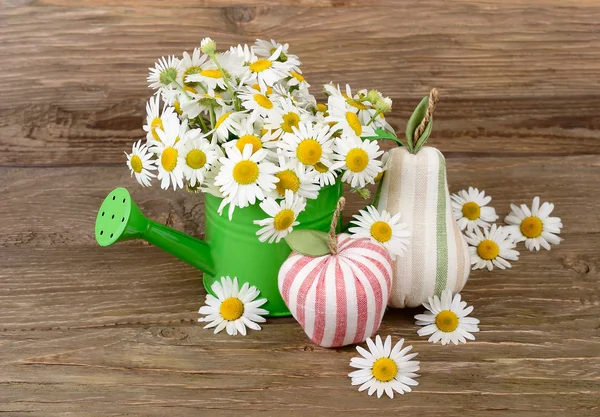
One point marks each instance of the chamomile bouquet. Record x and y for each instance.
(242, 125)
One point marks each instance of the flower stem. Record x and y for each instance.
(225, 78)
(377, 113)
(212, 116)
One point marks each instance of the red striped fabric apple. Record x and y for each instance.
(338, 288)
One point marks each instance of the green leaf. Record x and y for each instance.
(414, 122)
(382, 134)
(309, 242)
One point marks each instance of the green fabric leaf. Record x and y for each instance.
(414, 122)
(382, 134)
(309, 242)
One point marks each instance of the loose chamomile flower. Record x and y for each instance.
(358, 158)
(155, 119)
(309, 143)
(140, 164)
(199, 156)
(227, 121)
(381, 227)
(257, 102)
(534, 226)
(471, 211)
(282, 218)
(233, 308)
(164, 74)
(384, 368)
(490, 248)
(447, 320)
(292, 176)
(245, 177)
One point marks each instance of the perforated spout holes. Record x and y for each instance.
(113, 216)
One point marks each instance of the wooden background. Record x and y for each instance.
(86, 331)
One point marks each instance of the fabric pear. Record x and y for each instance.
(415, 185)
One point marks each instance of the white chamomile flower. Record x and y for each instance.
(344, 112)
(233, 308)
(282, 218)
(208, 45)
(209, 186)
(309, 143)
(359, 160)
(384, 368)
(292, 176)
(268, 70)
(245, 177)
(140, 163)
(490, 248)
(195, 104)
(322, 174)
(534, 226)
(447, 320)
(189, 65)
(471, 211)
(285, 118)
(199, 156)
(155, 119)
(364, 109)
(257, 102)
(297, 80)
(264, 48)
(383, 228)
(164, 74)
(226, 122)
(170, 160)
(249, 134)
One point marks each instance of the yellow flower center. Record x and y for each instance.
(378, 177)
(381, 231)
(290, 120)
(297, 76)
(222, 119)
(471, 210)
(231, 309)
(322, 168)
(136, 164)
(488, 250)
(156, 124)
(168, 158)
(309, 151)
(190, 89)
(257, 88)
(284, 219)
(245, 172)
(384, 369)
(357, 160)
(354, 123)
(260, 65)
(249, 139)
(195, 159)
(321, 107)
(190, 71)
(532, 227)
(446, 321)
(177, 107)
(354, 103)
(288, 180)
(211, 73)
(263, 101)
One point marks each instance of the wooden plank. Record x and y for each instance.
(70, 197)
(512, 87)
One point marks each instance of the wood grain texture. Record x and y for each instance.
(511, 74)
(89, 331)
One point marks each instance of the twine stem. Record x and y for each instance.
(334, 221)
(433, 99)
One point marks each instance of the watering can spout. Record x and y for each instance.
(119, 218)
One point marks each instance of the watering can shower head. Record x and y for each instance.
(119, 218)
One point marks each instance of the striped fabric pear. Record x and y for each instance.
(437, 256)
(415, 185)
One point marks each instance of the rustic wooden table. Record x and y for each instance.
(86, 331)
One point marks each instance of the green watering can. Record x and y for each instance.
(231, 247)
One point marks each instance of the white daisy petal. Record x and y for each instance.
(534, 226)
